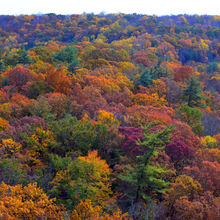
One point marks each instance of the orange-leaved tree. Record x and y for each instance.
(85, 210)
(58, 79)
(29, 202)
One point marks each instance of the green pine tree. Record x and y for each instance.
(2, 66)
(145, 177)
(68, 55)
(146, 78)
(193, 93)
(160, 71)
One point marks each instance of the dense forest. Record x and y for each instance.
(110, 116)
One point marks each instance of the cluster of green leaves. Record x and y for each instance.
(146, 177)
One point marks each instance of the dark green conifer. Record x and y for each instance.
(192, 93)
(146, 177)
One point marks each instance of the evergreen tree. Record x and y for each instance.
(153, 73)
(68, 54)
(160, 71)
(73, 65)
(193, 92)
(212, 67)
(146, 177)
(2, 66)
(146, 78)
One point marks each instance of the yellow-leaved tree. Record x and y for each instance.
(87, 177)
(85, 210)
(29, 202)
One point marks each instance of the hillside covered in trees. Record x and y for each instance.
(112, 116)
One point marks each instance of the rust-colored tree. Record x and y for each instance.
(58, 79)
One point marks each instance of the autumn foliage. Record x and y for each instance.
(26, 202)
(109, 117)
